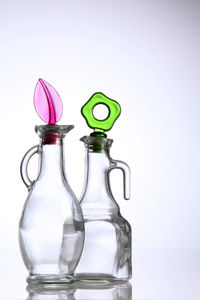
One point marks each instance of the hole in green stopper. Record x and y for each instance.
(101, 111)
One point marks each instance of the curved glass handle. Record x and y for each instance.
(118, 164)
(24, 165)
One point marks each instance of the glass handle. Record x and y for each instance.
(24, 166)
(118, 164)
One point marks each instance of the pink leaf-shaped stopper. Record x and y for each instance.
(47, 102)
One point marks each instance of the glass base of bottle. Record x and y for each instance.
(50, 281)
(99, 278)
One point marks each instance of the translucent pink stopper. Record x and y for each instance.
(47, 102)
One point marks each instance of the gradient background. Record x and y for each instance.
(144, 54)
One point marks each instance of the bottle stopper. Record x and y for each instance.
(49, 108)
(47, 102)
(106, 124)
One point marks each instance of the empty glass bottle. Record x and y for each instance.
(51, 230)
(107, 248)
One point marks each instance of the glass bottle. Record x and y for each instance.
(51, 230)
(107, 248)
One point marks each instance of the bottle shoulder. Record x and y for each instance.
(99, 210)
(50, 202)
(105, 223)
(105, 216)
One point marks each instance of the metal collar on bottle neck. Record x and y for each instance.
(52, 134)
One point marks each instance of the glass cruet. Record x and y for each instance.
(51, 229)
(107, 248)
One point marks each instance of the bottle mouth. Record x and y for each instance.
(52, 134)
(96, 144)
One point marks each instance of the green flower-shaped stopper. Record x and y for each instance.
(100, 126)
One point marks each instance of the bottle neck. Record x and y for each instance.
(51, 155)
(52, 161)
(97, 197)
(97, 167)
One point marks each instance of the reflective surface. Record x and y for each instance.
(84, 291)
(157, 275)
(107, 291)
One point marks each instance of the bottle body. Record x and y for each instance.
(107, 250)
(51, 231)
(107, 247)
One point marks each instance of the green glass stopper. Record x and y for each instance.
(100, 126)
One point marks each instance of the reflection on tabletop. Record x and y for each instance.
(83, 291)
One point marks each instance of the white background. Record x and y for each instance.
(145, 55)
